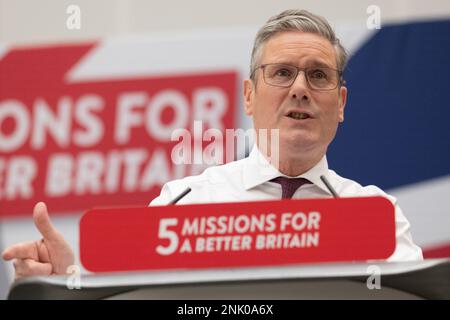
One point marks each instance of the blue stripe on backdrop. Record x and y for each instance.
(397, 120)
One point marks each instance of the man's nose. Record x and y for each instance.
(300, 88)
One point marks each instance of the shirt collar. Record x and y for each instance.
(258, 170)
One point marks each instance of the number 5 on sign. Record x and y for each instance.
(172, 236)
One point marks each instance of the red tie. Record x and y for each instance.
(290, 185)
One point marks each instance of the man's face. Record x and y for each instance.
(271, 106)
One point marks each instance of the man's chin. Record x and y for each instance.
(298, 142)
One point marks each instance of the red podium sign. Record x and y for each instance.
(237, 234)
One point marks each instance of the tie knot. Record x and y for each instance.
(289, 185)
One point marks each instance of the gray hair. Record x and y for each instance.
(293, 20)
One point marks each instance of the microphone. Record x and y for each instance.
(180, 196)
(329, 187)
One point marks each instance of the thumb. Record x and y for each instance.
(43, 223)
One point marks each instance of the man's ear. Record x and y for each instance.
(248, 97)
(342, 102)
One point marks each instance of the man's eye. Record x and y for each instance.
(318, 74)
(283, 73)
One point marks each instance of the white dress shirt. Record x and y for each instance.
(249, 180)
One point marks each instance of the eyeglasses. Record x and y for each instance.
(284, 75)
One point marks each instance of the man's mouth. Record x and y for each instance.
(298, 115)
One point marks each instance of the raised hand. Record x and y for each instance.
(50, 255)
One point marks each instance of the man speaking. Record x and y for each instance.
(296, 88)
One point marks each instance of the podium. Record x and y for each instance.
(284, 249)
(428, 279)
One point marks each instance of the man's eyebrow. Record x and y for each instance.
(316, 63)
